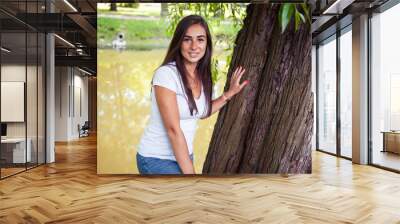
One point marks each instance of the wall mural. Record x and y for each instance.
(155, 71)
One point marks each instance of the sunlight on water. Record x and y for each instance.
(124, 108)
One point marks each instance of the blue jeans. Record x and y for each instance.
(151, 165)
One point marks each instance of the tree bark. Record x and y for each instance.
(267, 128)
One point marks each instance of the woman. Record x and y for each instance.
(181, 94)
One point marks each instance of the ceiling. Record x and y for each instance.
(74, 22)
(330, 16)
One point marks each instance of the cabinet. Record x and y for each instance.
(13, 150)
(391, 141)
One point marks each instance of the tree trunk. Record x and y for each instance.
(267, 128)
(164, 9)
(113, 7)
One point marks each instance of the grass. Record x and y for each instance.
(144, 9)
(133, 29)
(143, 34)
(139, 34)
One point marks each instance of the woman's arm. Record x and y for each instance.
(234, 88)
(168, 106)
(218, 103)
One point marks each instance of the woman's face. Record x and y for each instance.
(194, 44)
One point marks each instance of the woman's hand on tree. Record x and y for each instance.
(235, 86)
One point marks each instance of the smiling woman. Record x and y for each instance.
(194, 44)
(181, 94)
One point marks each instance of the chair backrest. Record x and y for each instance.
(86, 125)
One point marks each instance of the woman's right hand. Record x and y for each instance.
(235, 87)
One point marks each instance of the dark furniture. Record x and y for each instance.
(84, 130)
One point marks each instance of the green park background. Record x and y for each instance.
(124, 76)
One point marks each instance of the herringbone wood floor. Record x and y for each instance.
(69, 191)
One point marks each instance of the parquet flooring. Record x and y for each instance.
(70, 191)
(10, 171)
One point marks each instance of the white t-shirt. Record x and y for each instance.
(155, 141)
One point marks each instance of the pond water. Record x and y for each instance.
(123, 83)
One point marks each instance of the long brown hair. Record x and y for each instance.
(203, 68)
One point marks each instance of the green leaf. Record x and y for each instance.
(297, 20)
(214, 70)
(280, 16)
(302, 17)
(288, 10)
(306, 11)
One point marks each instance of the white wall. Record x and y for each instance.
(80, 110)
(16, 73)
(33, 126)
(71, 102)
(62, 81)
